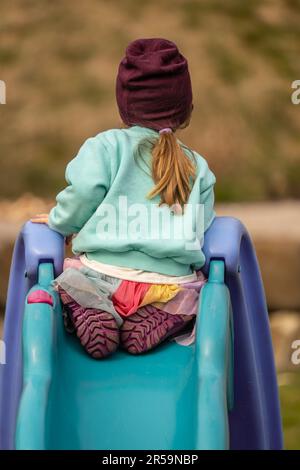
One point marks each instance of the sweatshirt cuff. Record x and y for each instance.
(64, 230)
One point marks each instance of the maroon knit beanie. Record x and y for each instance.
(153, 85)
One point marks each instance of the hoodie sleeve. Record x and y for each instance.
(88, 179)
(207, 198)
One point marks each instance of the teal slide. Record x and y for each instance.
(54, 396)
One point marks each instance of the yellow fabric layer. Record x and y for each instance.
(160, 293)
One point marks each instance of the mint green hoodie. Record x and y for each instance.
(105, 204)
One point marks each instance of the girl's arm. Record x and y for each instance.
(207, 198)
(88, 178)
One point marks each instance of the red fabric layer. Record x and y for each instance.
(128, 297)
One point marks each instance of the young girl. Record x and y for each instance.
(139, 202)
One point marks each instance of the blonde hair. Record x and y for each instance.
(172, 170)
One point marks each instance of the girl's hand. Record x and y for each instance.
(40, 219)
(43, 219)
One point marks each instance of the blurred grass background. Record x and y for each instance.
(290, 408)
(59, 60)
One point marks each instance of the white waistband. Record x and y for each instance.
(136, 275)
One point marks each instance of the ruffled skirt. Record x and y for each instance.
(122, 298)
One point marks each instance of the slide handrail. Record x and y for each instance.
(35, 244)
(256, 408)
(38, 358)
(214, 362)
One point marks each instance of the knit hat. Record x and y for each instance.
(153, 86)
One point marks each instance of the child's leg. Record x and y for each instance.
(148, 327)
(97, 330)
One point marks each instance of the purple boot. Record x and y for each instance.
(97, 330)
(148, 327)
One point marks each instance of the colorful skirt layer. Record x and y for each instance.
(122, 298)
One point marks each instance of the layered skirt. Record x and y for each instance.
(122, 298)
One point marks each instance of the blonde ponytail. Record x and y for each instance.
(173, 172)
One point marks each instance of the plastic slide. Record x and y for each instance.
(219, 393)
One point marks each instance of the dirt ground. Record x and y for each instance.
(267, 220)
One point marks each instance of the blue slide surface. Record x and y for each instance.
(219, 393)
